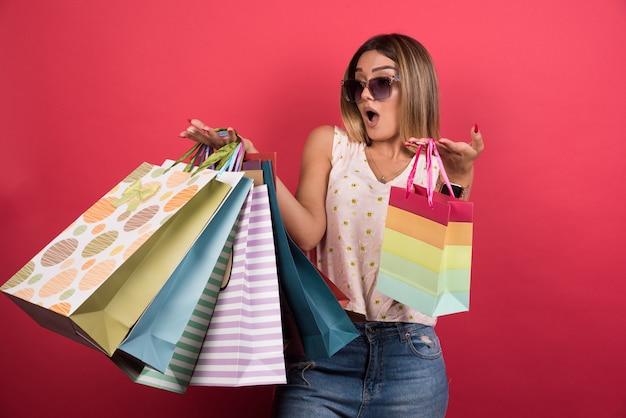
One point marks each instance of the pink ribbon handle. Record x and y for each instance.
(431, 150)
(409, 180)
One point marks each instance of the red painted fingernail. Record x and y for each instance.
(475, 128)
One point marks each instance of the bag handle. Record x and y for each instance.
(431, 152)
(202, 156)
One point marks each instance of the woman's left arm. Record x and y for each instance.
(458, 159)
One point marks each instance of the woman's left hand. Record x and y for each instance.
(200, 132)
(458, 157)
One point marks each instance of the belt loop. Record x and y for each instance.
(401, 333)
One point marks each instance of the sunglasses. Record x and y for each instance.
(379, 88)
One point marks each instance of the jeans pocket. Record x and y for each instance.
(423, 342)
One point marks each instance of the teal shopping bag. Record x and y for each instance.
(181, 367)
(324, 327)
(154, 337)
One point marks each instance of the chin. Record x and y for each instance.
(377, 134)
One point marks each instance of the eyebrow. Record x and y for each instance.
(384, 67)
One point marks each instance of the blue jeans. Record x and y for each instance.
(390, 370)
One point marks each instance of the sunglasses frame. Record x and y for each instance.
(366, 85)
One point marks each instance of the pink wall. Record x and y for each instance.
(88, 90)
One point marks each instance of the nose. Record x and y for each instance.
(365, 94)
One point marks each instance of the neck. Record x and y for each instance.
(387, 163)
(388, 150)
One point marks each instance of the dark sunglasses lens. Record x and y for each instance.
(352, 90)
(380, 88)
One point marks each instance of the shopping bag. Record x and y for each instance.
(154, 337)
(323, 325)
(177, 375)
(252, 159)
(93, 281)
(244, 343)
(292, 343)
(427, 248)
(179, 370)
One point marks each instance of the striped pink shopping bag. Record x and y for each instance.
(244, 342)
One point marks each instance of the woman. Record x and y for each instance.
(395, 368)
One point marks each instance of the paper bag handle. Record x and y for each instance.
(431, 151)
(202, 156)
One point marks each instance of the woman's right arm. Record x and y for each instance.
(304, 214)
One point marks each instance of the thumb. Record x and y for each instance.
(477, 139)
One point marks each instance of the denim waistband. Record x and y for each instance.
(383, 329)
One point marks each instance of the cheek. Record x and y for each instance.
(392, 104)
(392, 110)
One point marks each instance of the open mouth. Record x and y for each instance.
(372, 117)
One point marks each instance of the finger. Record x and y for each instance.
(221, 137)
(209, 132)
(191, 131)
(477, 139)
(200, 130)
(212, 136)
(414, 143)
(232, 135)
(198, 135)
(197, 123)
(186, 133)
(446, 145)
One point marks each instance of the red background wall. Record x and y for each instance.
(88, 90)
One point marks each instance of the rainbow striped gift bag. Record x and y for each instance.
(426, 255)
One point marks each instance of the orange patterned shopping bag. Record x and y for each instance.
(92, 282)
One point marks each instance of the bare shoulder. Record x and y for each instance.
(317, 153)
(320, 140)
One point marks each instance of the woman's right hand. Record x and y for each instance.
(200, 132)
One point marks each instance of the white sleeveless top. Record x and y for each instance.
(356, 207)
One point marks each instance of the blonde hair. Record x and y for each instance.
(419, 100)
